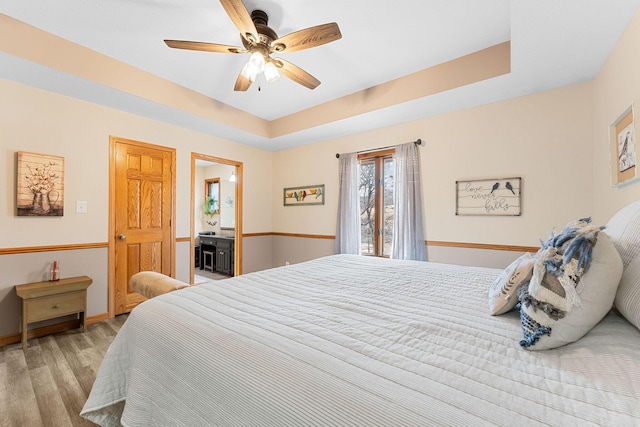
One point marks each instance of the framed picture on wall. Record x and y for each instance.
(622, 149)
(489, 197)
(40, 185)
(304, 196)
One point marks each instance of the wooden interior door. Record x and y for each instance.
(143, 208)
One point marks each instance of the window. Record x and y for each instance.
(212, 196)
(376, 202)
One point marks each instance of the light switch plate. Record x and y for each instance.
(81, 206)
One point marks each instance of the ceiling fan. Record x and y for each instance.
(261, 41)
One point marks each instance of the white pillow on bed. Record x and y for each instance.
(628, 296)
(624, 230)
(596, 291)
(503, 293)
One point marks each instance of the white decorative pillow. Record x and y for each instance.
(503, 293)
(552, 326)
(624, 230)
(628, 296)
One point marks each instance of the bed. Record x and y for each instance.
(358, 341)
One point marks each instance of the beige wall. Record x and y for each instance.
(43, 122)
(31, 267)
(290, 249)
(257, 253)
(543, 138)
(557, 141)
(616, 87)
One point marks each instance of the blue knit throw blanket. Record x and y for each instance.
(551, 293)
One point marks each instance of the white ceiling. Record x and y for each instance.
(554, 43)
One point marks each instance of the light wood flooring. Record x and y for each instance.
(203, 276)
(47, 384)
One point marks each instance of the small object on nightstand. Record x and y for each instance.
(48, 300)
(54, 273)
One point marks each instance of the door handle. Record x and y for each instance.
(122, 237)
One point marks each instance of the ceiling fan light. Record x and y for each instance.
(257, 58)
(249, 71)
(271, 73)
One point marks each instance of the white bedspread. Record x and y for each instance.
(356, 341)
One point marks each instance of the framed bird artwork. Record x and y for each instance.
(622, 149)
(494, 196)
(305, 195)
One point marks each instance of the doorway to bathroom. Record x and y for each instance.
(216, 218)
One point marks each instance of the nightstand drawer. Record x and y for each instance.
(55, 306)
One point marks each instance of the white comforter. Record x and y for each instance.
(356, 341)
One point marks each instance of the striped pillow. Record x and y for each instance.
(624, 230)
(628, 296)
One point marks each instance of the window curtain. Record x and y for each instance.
(348, 224)
(408, 234)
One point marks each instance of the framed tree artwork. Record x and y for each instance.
(40, 184)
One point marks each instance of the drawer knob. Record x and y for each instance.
(56, 306)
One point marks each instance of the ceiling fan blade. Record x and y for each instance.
(296, 73)
(309, 37)
(242, 83)
(202, 46)
(241, 19)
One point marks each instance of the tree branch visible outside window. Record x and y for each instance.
(376, 202)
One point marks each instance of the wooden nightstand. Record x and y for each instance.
(48, 300)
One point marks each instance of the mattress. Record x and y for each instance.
(357, 341)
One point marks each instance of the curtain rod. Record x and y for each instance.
(417, 142)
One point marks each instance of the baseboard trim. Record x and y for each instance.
(51, 329)
(304, 236)
(484, 246)
(276, 233)
(97, 318)
(53, 248)
(464, 245)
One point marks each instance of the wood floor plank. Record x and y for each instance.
(5, 416)
(68, 386)
(33, 355)
(82, 340)
(50, 404)
(48, 383)
(22, 402)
